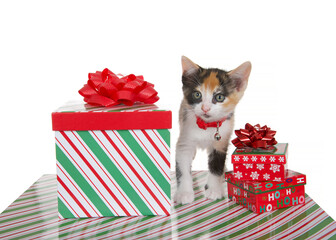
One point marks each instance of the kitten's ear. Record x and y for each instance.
(188, 66)
(241, 75)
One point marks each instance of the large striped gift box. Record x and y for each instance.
(34, 216)
(112, 161)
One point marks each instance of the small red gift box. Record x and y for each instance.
(267, 196)
(260, 164)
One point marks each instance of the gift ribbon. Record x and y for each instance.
(254, 136)
(107, 89)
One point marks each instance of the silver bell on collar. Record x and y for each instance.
(217, 136)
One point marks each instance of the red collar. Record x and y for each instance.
(204, 125)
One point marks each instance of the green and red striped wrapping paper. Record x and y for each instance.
(105, 168)
(34, 215)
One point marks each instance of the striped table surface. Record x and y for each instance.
(34, 216)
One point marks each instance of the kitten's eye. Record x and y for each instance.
(197, 95)
(219, 97)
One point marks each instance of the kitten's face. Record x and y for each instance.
(213, 94)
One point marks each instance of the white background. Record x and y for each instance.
(48, 48)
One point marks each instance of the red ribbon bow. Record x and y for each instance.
(254, 136)
(107, 89)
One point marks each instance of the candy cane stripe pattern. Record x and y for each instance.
(109, 173)
(34, 215)
(112, 161)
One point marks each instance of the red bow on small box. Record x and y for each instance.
(107, 89)
(254, 136)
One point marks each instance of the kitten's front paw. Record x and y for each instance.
(184, 197)
(214, 193)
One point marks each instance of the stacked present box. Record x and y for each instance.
(261, 164)
(113, 152)
(260, 180)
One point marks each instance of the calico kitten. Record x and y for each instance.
(206, 121)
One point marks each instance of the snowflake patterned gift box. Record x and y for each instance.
(112, 161)
(261, 164)
(261, 197)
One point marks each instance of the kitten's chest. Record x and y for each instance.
(206, 138)
(206, 135)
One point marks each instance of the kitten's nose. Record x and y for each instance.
(205, 109)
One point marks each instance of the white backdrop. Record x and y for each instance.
(47, 49)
